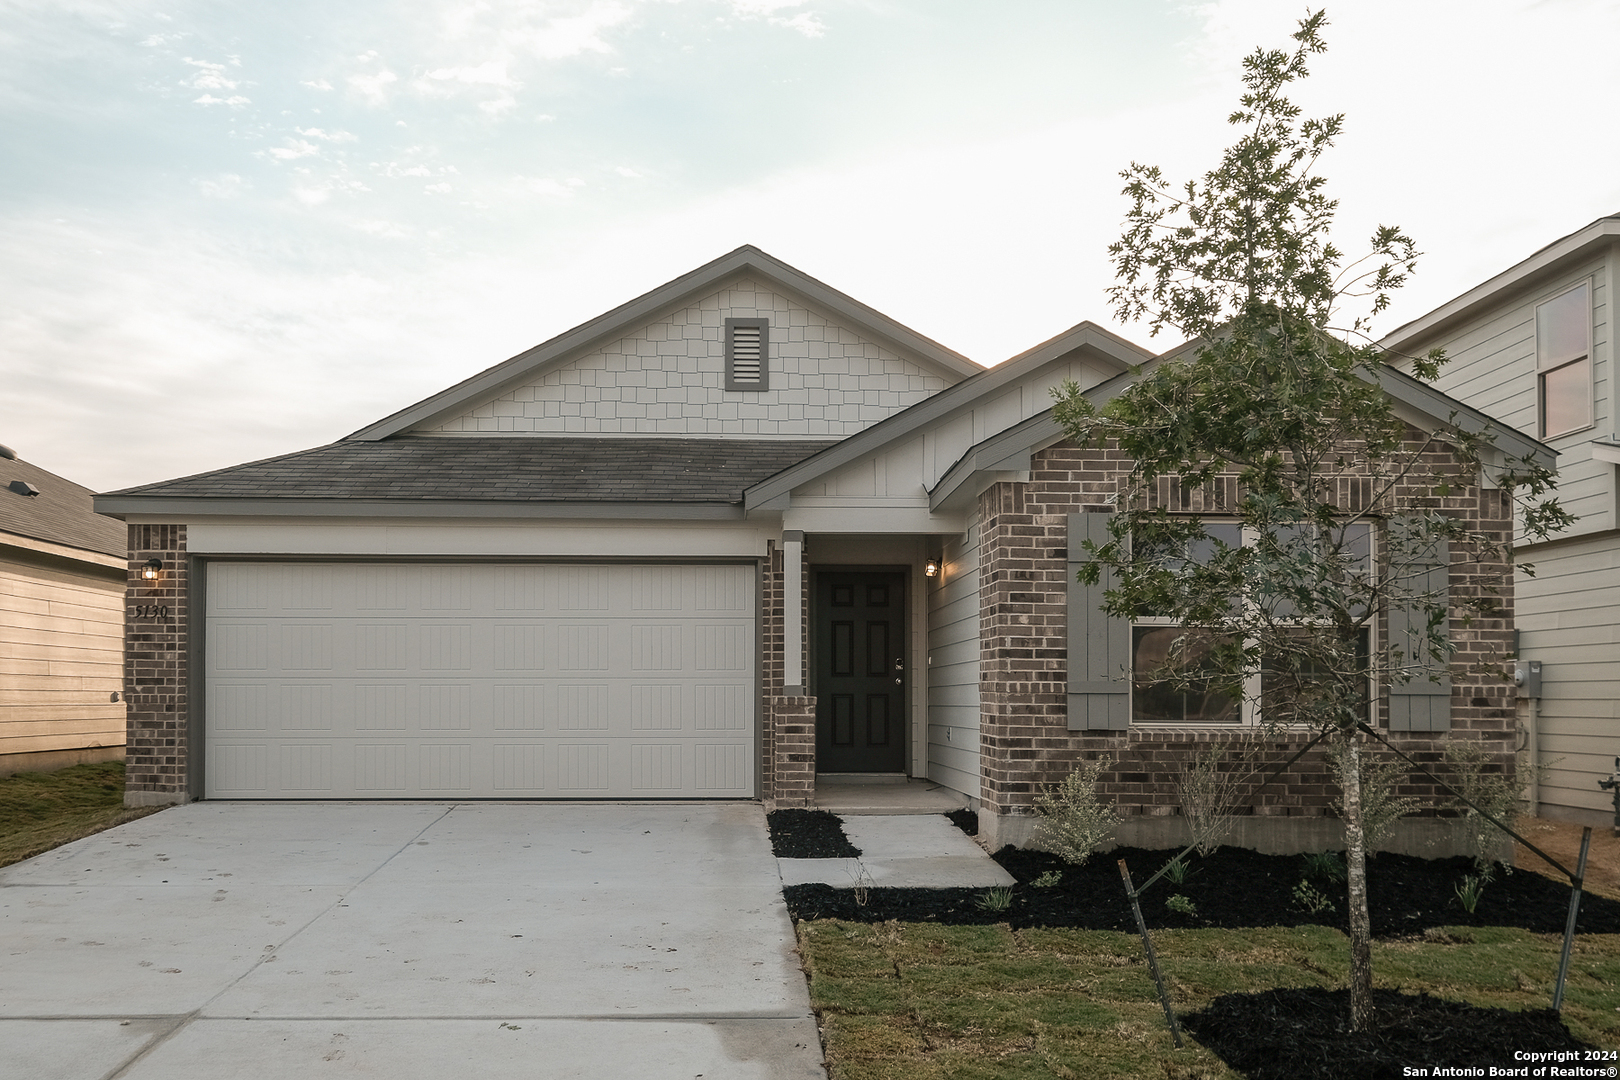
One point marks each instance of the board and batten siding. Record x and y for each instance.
(61, 659)
(953, 667)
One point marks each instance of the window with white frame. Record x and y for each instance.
(1182, 675)
(1564, 361)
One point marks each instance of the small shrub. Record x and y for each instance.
(1074, 821)
(996, 899)
(1324, 866)
(1177, 870)
(1181, 905)
(1309, 898)
(1471, 889)
(1478, 778)
(1209, 796)
(1048, 879)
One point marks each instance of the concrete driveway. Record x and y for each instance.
(223, 940)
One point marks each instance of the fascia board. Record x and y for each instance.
(1609, 452)
(744, 260)
(19, 542)
(168, 508)
(1447, 411)
(945, 404)
(1577, 245)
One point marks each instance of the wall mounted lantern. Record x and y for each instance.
(931, 568)
(153, 569)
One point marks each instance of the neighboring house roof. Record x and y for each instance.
(539, 469)
(1553, 257)
(60, 514)
(747, 260)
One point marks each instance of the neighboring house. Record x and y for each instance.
(738, 533)
(62, 574)
(1533, 347)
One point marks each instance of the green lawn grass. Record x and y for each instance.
(917, 1000)
(40, 811)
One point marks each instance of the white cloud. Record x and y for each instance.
(571, 35)
(627, 172)
(806, 23)
(547, 186)
(373, 87)
(235, 101)
(335, 135)
(498, 106)
(295, 148)
(489, 73)
(315, 84)
(387, 230)
(223, 186)
(211, 77)
(438, 189)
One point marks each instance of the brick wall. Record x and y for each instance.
(156, 674)
(788, 741)
(1025, 742)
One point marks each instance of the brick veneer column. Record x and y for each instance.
(788, 744)
(794, 722)
(156, 674)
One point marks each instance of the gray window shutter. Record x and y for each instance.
(748, 354)
(1424, 703)
(1099, 646)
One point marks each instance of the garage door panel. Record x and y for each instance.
(480, 681)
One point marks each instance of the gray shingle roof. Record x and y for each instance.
(59, 514)
(505, 468)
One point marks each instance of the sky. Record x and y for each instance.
(235, 230)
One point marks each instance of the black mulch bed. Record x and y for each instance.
(1231, 888)
(1289, 1034)
(966, 820)
(809, 834)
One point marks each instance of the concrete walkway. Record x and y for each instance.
(919, 851)
(223, 940)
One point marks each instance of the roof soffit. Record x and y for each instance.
(743, 262)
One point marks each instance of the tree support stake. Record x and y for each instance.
(1153, 961)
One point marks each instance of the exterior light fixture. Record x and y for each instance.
(152, 569)
(931, 568)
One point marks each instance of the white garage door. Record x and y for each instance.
(350, 680)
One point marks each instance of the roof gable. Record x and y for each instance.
(654, 365)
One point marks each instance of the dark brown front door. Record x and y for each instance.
(860, 635)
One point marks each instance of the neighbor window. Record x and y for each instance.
(1564, 361)
(748, 354)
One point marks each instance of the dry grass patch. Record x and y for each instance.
(41, 811)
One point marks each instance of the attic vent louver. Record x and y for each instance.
(748, 354)
(23, 487)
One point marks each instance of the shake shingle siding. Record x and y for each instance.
(654, 470)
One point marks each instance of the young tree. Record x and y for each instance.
(1275, 400)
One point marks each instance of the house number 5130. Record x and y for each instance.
(151, 611)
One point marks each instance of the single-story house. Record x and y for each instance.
(62, 575)
(739, 533)
(1533, 346)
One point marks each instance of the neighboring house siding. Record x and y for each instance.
(61, 661)
(1569, 615)
(669, 378)
(1492, 367)
(1569, 611)
(953, 667)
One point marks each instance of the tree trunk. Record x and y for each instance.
(1355, 858)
